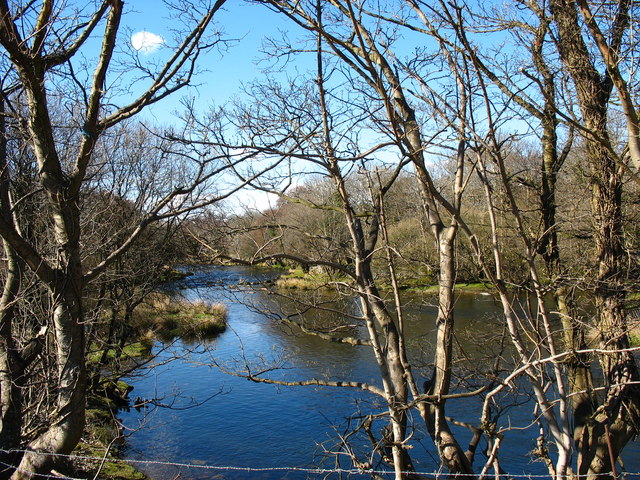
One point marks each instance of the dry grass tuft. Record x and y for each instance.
(169, 317)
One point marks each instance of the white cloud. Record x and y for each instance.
(146, 42)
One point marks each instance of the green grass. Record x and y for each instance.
(634, 332)
(297, 279)
(634, 318)
(120, 471)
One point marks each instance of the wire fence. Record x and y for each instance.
(307, 470)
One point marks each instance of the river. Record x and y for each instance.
(228, 427)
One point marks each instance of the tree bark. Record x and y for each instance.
(65, 432)
(618, 419)
(11, 367)
(388, 353)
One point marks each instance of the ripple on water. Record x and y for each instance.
(258, 425)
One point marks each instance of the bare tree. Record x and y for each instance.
(361, 37)
(615, 42)
(616, 420)
(42, 42)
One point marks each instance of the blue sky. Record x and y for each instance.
(244, 25)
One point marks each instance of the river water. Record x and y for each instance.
(216, 425)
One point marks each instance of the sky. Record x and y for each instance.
(146, 27)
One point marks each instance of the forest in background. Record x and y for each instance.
(414, 145)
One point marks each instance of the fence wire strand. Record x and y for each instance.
(308, 470)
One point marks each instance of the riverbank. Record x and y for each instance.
(99, 453)
(299, 280)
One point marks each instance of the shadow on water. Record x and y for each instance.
(216, 420)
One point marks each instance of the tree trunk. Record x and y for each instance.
(11, 367)
(617, 420)
(579, 370)
(388, 353)
(449, 449)
(67, 426)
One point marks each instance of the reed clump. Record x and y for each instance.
(176, 317)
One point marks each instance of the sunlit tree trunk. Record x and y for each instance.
(11, 363)
(402, 115)
(65, 282)
(48, 47)
(64, 434)
(616, 421)
(387, 348)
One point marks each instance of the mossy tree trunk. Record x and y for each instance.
(38, 46)
(609, 427)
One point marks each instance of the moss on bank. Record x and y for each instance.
(137, 349)
(98, 453)
(634, 331)
(102, 435)
(102, 440)
(460, 287)
(633, 307)
(299, 280)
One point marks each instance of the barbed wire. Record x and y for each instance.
(308, 470)
(37, 475)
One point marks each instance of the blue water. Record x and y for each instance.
(213, 419)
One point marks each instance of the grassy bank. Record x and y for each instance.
(297, 279)
(101, 443)
(169, 318)
(133, 350)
